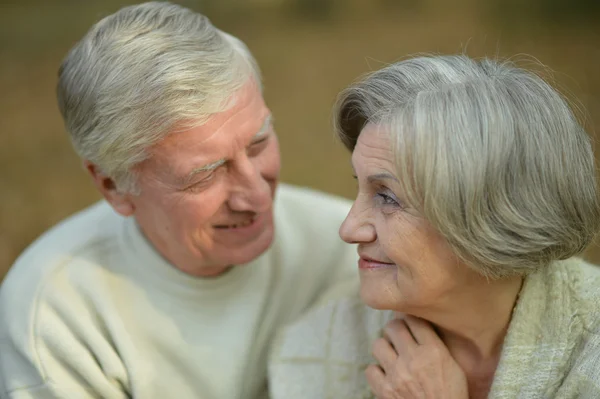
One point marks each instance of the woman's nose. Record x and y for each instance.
(357, 227)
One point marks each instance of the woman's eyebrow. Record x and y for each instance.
(381, 176)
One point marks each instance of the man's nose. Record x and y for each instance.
(250, 190)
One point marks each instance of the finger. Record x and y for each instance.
(385, 354)
(376, 380)
(422, 331)
(398, 334)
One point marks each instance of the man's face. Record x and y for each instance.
(206, 198)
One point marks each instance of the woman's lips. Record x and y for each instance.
(366, 263)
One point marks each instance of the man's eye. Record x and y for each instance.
(257, 146)
(200, 183)
(259, 142)
(262, 139)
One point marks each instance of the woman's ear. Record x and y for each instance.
(120, 202)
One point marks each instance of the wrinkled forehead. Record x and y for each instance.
(245, 110)
(374, 143)
(245, 102)
(218, 138)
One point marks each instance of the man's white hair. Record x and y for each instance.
(142, 73)
(488, 153)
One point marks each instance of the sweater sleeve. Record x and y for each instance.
(57, 349)
(38, 392)
(43, 391)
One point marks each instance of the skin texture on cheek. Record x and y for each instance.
(396, 241)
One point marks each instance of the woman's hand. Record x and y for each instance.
(414, 363)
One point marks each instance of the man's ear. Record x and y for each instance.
(120, 202)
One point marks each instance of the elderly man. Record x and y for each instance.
(173, 286)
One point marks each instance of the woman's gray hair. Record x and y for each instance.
(142, 72)
(488, 153)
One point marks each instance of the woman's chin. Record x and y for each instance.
(376, 298)
(379, 290)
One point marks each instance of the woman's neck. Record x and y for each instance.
(473, 326)
(475, 321)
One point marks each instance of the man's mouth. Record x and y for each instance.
(235, 225)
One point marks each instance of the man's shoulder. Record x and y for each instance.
(48, 298)
(92, 230)
(44, 286)
(73, 233)
(309, 220)
(315, 202)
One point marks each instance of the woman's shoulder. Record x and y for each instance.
(584, 284)
(583, 376)
(327, 349)
(589, 277)
(583, 279)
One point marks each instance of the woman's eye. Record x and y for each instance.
(386, 199)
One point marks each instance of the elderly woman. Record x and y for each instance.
(476, 190)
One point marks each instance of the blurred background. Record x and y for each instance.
(308, 50)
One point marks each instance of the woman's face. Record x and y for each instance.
(405, 264)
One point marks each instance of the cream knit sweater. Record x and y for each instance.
(91, 310)
(552, 349)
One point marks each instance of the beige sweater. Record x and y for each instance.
(91, 310)
(552, 349)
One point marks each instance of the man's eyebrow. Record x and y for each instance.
(264, 129)
(206, 168)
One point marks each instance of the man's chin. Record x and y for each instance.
(246, 254)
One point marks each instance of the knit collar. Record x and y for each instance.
(541, 337)
(151, 266)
